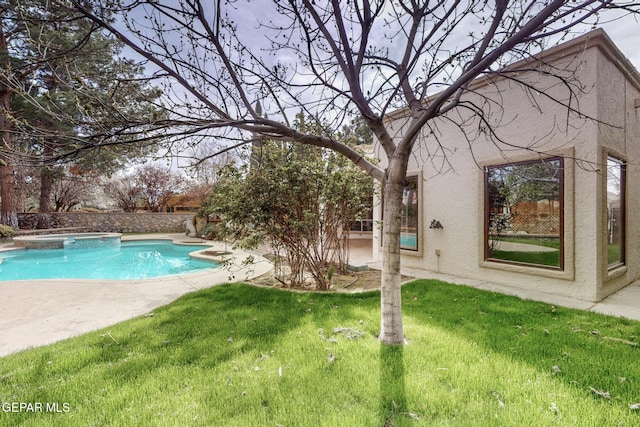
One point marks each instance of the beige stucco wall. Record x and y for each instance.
(453, 179)
(619, 136)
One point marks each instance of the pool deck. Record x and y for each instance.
(35, 313)
(38, 312)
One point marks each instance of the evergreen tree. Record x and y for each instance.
(70, 80)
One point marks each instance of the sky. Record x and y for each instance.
(624, 32)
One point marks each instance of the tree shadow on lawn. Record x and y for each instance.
(586, 351)
(189, 333)
(393, 397)
(592, 351)
(203, 330)
(185, 332)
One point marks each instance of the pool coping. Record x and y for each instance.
(39, 312)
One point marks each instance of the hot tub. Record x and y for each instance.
(68, 241)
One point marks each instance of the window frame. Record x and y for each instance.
(561, 215)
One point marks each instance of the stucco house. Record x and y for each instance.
(548, 203)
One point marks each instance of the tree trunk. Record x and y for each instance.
(46, 184)
(8, 214)
(391, 329)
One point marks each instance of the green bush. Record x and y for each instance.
(6, 232)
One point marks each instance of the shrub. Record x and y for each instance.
(210, 231)
(6, 232)
(300, 201)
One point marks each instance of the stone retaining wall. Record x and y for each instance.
(114, 222)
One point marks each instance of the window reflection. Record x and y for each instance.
(524, 213)
(615, 212)
(409, 234)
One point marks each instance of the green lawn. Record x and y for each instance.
(237, 355)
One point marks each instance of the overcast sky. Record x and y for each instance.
(625, 33)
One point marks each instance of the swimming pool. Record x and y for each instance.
(127, 261)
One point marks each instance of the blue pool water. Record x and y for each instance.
(130, 260)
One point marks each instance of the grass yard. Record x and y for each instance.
(238, 355)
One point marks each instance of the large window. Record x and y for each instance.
(410, 215)
(409, 234)
(523, 213)
(615, 212)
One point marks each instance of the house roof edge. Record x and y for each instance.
(597, 38)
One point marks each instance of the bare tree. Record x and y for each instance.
(69, 192)
(335, 60)
(124, 192)
(157, 185)
(148, 187)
